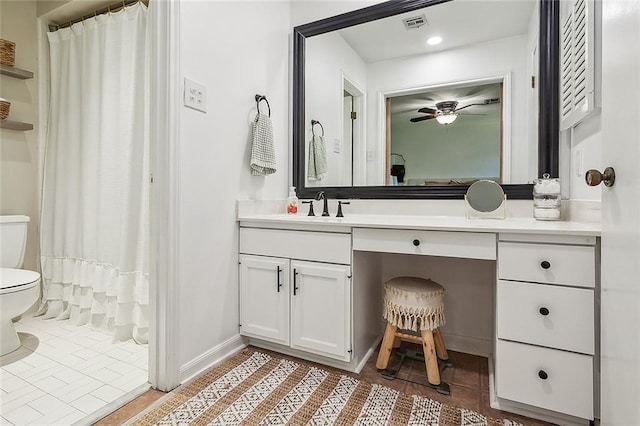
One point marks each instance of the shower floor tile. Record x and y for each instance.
(64, 372)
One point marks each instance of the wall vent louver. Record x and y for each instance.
(577, 62)
(415, 22)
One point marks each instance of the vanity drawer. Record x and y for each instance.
(568, 323)
(547, 263)
(568, 387)
(319, 246)
(472, 245)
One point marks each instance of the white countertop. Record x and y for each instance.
(439, 223)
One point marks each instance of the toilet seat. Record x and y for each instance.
(12, 280)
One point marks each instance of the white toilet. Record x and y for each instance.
(19, 288)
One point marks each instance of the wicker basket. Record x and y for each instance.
(4, 108)
(7, 52)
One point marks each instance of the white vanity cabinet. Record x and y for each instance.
(295, 290)
(321, 309)
(544, 360)
(264, 298)
(546, 326)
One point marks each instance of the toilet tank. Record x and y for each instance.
(13, 240)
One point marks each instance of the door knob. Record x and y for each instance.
(594, 177)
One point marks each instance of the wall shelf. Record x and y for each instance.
(15, 125)
(15, 72)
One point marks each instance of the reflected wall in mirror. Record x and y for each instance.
(367, 73)
(449, 135)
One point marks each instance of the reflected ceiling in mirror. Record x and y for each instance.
(351, 77)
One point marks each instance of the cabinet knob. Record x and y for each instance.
(544, 311)
(416, 242)
(543, 375)
(545, 264)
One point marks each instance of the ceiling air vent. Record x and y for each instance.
(415, 22)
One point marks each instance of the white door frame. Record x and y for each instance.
(164, 368)
(358, 146)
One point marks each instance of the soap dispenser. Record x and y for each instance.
(292, 201)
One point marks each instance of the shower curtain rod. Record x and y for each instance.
(111, 8)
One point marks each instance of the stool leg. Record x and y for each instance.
(430, 359)
(386, 347)
(441, 349)
(397, 341)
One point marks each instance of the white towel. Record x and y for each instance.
(263, 158)
(317, 158)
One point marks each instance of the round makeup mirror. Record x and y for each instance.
(485, 198)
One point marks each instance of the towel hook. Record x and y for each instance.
(313, 123)
(260, 98)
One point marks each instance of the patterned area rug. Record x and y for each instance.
(254, 388)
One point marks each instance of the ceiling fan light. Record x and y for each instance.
(446, 119)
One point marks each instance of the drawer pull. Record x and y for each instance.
(416, 242)
(545, 264)
(278, 284)
(543, 375)
(544, 311)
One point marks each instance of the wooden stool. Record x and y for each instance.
(415, 304)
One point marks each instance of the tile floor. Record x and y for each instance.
(468, 378)
(63, 373)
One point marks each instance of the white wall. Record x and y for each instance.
(586, 145)
(19, 151)
(237, 50)
(305, 11)
(489, 59)
(328, 58)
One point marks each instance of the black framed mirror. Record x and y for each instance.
(548, 100)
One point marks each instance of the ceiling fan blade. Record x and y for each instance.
(428, 110)
(485, 102)
(426, 117)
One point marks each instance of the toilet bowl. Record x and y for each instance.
(19, 290)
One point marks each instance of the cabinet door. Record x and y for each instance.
(321, 309)
(264, 298)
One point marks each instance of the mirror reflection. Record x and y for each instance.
(445, 136)
(400, 107)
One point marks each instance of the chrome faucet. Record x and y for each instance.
(325, 208)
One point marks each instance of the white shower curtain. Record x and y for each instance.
(95, 208)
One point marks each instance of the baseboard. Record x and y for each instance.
(351, 366)
(368, 355)
(467, 345)
(213, 356)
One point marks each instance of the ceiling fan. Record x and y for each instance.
(446, 112)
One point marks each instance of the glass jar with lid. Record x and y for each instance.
(546, 198)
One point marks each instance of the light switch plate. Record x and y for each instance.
(336, 145)
(195, 95)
